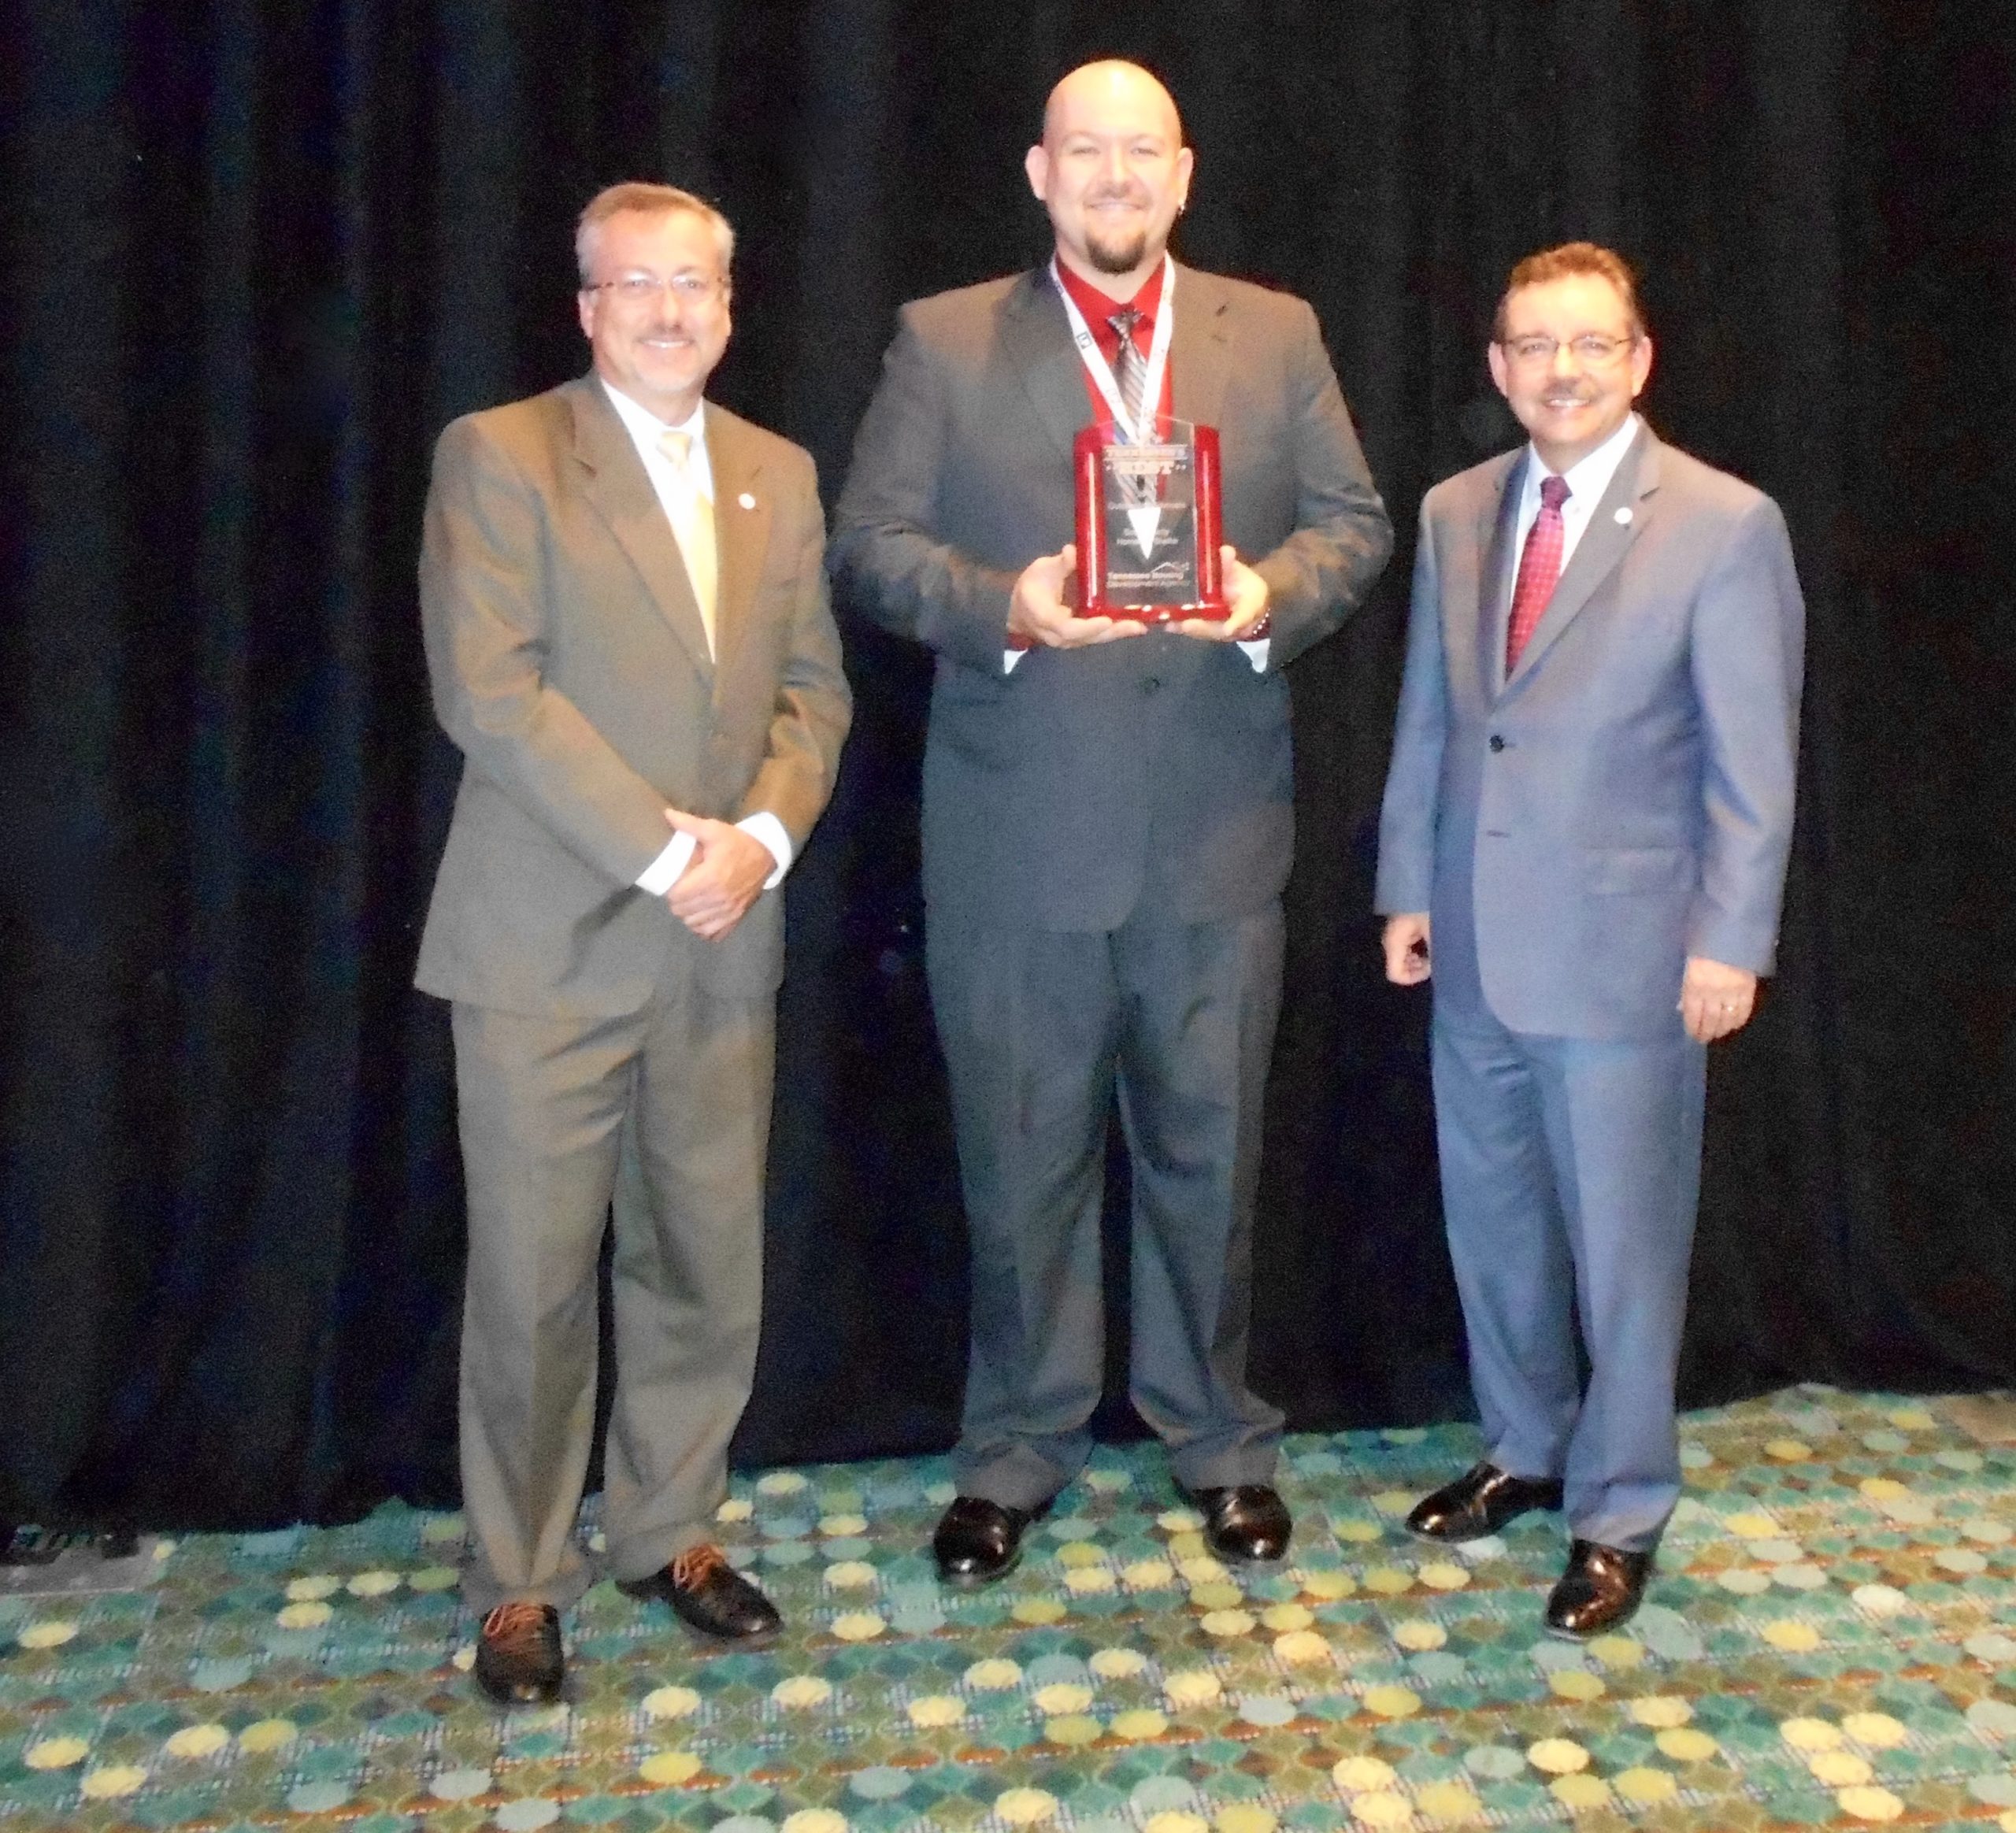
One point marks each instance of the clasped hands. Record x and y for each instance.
(724, 876)
(1715, 999)
(1038, 612)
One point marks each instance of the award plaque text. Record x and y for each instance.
(1147, 524)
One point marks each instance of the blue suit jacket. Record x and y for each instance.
(1625, 799)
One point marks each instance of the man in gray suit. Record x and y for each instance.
(1107, 812)
(1584, 836)
(628, 637)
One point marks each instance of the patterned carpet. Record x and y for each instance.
(1831, 1641)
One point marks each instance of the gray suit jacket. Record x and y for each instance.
(1063, 794)
(1624, 799)
(570, 663)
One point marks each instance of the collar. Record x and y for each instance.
(644, 426)
(1098, 306)
(646, 429)
(1589, 476)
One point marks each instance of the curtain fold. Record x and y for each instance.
(257, 256)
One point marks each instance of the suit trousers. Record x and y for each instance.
(1041, 1031)
(1571, 1172)
(666, 1110)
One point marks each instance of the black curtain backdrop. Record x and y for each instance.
(256, 255)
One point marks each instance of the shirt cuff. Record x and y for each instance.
(662, 873)
(766, 827)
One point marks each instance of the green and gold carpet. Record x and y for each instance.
(1831, 1642)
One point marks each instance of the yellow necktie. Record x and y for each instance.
(693, 523)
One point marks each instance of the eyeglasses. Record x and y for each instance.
(1592, 348)
(640, 289)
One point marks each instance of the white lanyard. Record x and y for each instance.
(1101, 371)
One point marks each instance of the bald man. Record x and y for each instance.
(1107, 810)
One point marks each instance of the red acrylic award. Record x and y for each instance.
(1147, 520)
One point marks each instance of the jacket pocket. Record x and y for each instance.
(1620, 871)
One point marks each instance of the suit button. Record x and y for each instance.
(1152, 684)
(1497, 743)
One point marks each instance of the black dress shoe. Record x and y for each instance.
(978, 1541)
(1248, 1524)
(518, 1657)
(709, 1597)
(1601, 1588)
(1479, 1502)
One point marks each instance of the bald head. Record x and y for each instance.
(1110, 84)
(1112, 172)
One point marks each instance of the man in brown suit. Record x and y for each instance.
(628, 637)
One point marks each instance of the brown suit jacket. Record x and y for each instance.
(569, 665)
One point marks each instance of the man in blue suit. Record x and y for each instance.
(1585, 838)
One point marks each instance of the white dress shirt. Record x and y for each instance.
(1587, 478)
(646, 431)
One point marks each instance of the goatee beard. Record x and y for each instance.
(1119, 257)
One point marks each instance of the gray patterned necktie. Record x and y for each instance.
(1130, 368)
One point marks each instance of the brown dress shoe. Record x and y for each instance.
(518, 1657)
(1247, 1524)
(709, 1597)
(1601, 1588)
(978, 1541)
(1479, 1502)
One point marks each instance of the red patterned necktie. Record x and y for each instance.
(1539, 567)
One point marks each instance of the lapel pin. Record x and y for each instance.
(749, 502)
(1624, 518)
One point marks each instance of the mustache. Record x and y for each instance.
(1119, 194)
